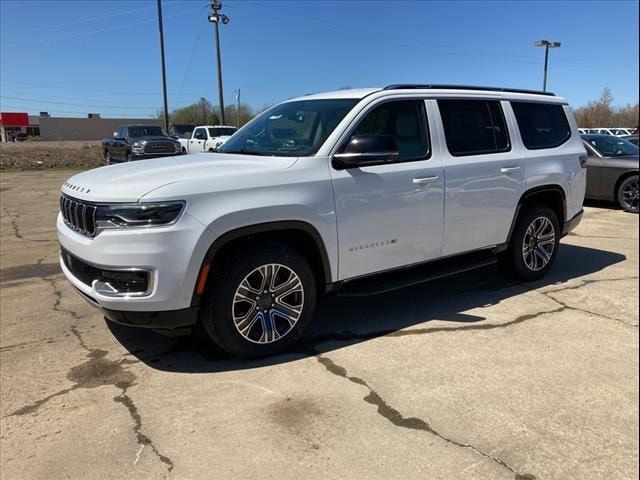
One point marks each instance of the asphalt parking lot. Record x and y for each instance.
(471, 377)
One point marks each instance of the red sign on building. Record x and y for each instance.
(9, 119)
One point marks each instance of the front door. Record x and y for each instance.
(390, 215)
(197, 142)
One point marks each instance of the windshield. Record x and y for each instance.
(145, 131)
(613, 147)
(222, 132)
(295, 129)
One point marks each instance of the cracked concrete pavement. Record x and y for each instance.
(474, 376)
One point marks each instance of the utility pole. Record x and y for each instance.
(238, 108)
(547, 45)
(164, 75)
(216, 18)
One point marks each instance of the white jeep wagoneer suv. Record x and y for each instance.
(361, 191)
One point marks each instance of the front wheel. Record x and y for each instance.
(259, 301)
(628, 194)
(107, 158)
(534, 243)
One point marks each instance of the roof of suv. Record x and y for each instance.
(359, 93)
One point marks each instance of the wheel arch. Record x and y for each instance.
(300, 235)
(621, 179)
(553, 196)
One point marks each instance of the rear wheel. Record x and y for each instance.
(259, 302)
(534, 243)
(628, 194)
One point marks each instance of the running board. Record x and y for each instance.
(396, 279)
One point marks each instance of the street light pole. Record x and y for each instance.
(547, 45)
(216, 18)
(164, 75)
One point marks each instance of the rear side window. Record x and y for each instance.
(405, 121)
(542, 125)
(474, 127)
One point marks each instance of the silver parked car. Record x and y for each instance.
(612, 170)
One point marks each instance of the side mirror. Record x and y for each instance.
(366, 150)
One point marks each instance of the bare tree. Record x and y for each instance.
(602, 113)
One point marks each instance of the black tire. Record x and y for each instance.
(535, 260)
(627, 194)
(184, 150)
(219, 307)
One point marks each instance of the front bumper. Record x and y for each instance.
(172, 255)
(166, 321)
(569, 225)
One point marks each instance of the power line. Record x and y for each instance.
(186, 73)
(66, 88)
(101, 30)
(64, 97)
(325, 25)
(35, 100)
(91, 19)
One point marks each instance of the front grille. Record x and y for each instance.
(159, 147)
(124, 281)
(79, 215)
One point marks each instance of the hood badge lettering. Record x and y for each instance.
(76, 188)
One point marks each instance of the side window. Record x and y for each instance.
(542, 125)
(474, 127)
(405, 121)
(200, 134)
(121, 132)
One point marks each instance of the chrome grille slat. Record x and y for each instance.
(79, 215)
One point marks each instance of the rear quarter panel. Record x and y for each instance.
(558, 166)
(613, 169)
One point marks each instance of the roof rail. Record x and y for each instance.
(431, 86)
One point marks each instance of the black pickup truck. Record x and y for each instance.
(139, 142)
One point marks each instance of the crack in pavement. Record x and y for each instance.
(97, 371)
(413, 423)
(585, 282)
(16, 228)
(581, 235)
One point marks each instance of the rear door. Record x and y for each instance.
(484, 175)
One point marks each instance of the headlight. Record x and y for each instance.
(138, 214)
(138, 147)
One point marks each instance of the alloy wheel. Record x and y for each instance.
(268, 303)
(539, 243)
(630, 195)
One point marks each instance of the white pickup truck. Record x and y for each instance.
(206, 138)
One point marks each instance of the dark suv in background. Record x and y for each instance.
(138, 142)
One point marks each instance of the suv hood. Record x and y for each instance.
(128, 182)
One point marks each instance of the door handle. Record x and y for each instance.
(508, 170)
(424, 180)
